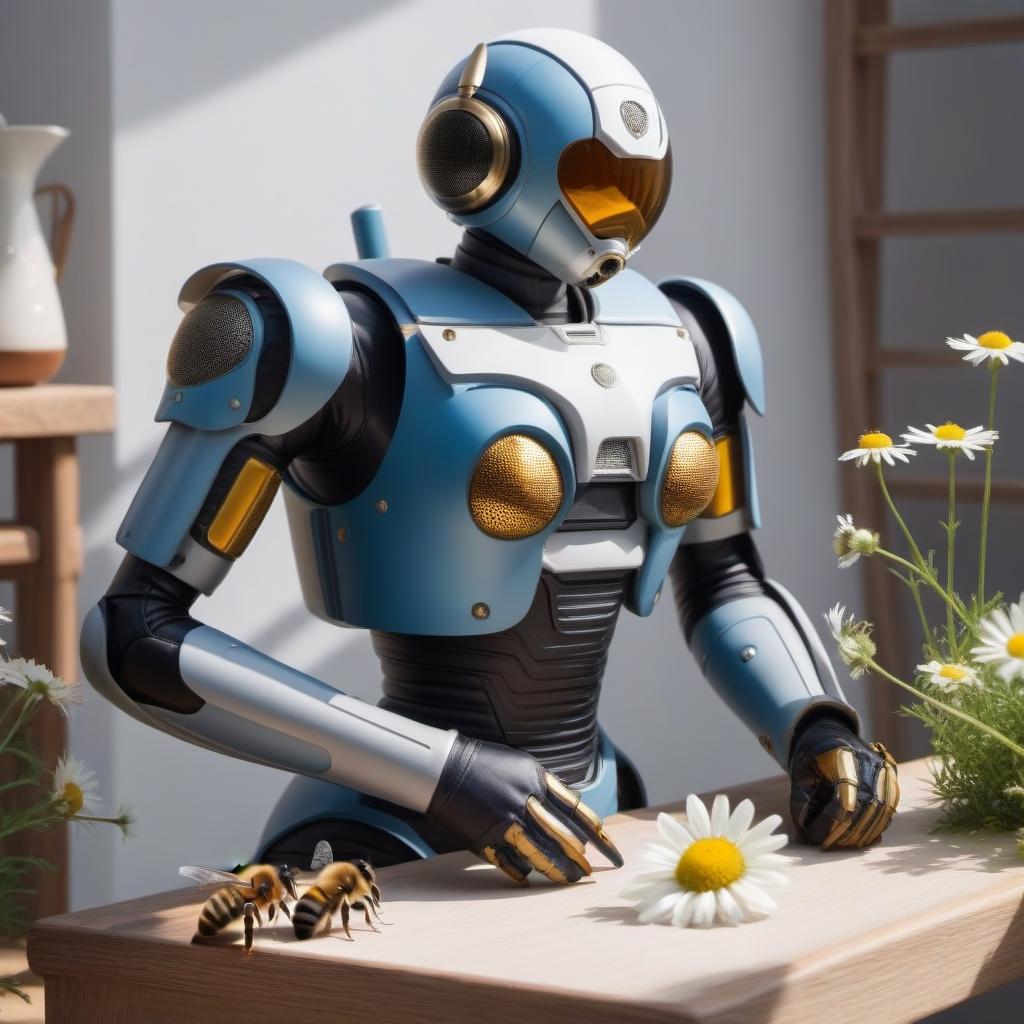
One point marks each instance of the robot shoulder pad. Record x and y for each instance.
(215, 357)
(739, 328)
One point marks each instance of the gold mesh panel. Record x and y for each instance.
(214, 337)
(516, 488)
(244, 508)
(690, 479)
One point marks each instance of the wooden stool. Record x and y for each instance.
(42, 552)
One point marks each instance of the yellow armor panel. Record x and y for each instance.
(728, 494)
(244, 508)
(516, 489)
(690, 478)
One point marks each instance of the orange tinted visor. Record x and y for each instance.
(616, 197)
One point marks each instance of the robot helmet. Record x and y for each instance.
(552, 142)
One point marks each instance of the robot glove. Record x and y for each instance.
(844, 791)
(507, 809)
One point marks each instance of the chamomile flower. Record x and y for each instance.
(992, 346)
(73, 786)
(953, 437)
(714, 867)
(949, 677)
(853, 639)
(1002, 641)
(874, 446)
(39, 681)
(849, 542)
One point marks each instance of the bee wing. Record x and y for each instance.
(211, 876)
(322, 856)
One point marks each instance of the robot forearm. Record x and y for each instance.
(143, 651)
(754, 643)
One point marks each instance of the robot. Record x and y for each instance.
(485, 460)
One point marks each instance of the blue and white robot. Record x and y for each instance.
(485, 459)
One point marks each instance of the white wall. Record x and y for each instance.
(242, 129)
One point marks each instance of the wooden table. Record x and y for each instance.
(42, 552)
(888, 935)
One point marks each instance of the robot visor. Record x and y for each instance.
(616, 197)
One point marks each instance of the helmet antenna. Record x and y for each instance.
(473, 73)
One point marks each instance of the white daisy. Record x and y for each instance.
(849, 542)
(874, 446)
(73, 786)
(714, 867)
(41, 683)
(949, 677)
(953, 436)
(994, 346)
(1002, 640)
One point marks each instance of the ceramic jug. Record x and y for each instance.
(33, 339)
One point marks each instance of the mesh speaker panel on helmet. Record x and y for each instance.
(213, 338)
(455, 153)
(634, 117)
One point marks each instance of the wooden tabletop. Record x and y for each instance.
(891, 934)
(56, 410)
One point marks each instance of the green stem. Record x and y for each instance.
(915, 591)
(914, 549)
(950, 531)
(948, 709)
(986, 499)
(953, 606)
(23, 716)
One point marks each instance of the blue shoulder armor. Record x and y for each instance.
(746, 347)
(212, 384)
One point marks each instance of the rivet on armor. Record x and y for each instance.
(382, 506)
(516, 488)
(748, 652)
(178, 396)
(691, 477)
(342, 535)
(683, 333)
(604, 375)
(448, 334)
(235, 403)
(480, 610)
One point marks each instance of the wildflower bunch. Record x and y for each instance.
(969, 687)
(37, 796)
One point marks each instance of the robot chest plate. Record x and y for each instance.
(602, 379)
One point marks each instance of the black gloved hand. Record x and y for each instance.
(844, 791)
(506, 808)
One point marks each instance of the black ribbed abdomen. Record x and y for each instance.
(534, 687)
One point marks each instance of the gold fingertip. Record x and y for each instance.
(839, 828)
(559, 789)
(521, 842)
(571, 846)
(502, 865)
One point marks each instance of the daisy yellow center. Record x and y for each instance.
(950, 432)
(995, 339)
(875, 439)
(73, 798)
(952, 672)
(1015, 646)
(710, 864)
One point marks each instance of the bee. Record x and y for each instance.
(244, 894)
(339, 885)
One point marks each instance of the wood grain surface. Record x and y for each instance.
(891, 934)
(56, 410)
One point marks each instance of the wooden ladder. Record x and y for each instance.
(859, 38)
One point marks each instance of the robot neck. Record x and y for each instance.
(547, 299)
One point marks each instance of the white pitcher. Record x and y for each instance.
(33, 338)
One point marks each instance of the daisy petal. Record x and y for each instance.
(683, 913)
(697, 816)
(662, 908)
(674, 832)
(740, 820)
(720, 815)
(729, 910)
(769, 844)
(761, 829)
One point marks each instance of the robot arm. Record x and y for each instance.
(753, 641)
(256, 372)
